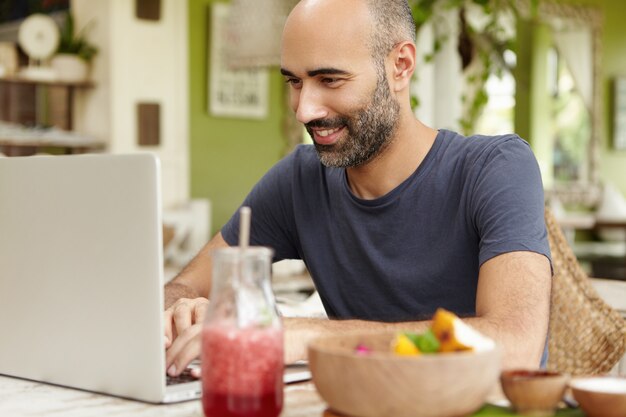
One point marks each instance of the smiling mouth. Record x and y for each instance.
(327, 136)
(326, 133)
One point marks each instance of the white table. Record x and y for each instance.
(21, 398)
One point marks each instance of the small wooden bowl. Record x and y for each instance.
(382, 384)
(534, 393)
(601, 396)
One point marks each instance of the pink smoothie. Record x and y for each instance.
(242, 371)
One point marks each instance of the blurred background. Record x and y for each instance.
(197, 83)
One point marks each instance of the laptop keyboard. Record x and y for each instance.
(182, 378)
(293, 373)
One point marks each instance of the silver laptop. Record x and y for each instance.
(81, 276)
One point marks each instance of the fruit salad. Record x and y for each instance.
(447, 333)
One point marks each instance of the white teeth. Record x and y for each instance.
(324, 133)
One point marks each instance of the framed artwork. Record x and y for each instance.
(619, 114)
(232, 92)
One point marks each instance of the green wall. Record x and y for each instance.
(613, 64)
(227, 156)
(612, 162)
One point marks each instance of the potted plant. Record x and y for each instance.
(74, 54)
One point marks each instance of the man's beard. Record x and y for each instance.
(370, 130)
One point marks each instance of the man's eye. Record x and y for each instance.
(332, 82)
(294, 82)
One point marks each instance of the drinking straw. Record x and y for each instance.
(238, 278)
(244, 227)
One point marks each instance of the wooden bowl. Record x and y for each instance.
(600, 396)
(533, 392)
(382, 384)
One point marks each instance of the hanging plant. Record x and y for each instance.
(482, 43)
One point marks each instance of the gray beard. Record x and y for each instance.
(370, 131)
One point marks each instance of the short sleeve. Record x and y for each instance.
(507, 200)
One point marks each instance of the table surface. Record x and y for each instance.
(20, 397)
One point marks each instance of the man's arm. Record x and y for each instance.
(195, 279)
(512, 307)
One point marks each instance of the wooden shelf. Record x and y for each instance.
(21, 80)
(27, 101)
(16, 140)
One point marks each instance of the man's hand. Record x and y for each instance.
(186, 303)
(298, 333)
(183, 327)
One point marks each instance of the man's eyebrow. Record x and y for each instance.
(327, 71)
(313, 73)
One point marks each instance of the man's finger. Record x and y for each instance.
(199, 312)
(182, 317)
(167, 327)
(185, 349)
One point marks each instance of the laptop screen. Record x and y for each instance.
(81, 272)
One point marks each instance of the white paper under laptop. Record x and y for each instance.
(81, 275)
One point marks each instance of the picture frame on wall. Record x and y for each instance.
(619, 114)
(240, 93)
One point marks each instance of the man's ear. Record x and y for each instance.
(403, 65)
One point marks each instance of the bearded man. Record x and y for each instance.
(392, 218)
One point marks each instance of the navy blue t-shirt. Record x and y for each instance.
(419, 247)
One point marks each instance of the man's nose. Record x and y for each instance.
(309, 106)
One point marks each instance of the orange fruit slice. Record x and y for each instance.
(455, 335)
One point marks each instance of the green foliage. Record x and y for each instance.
(481, 49)
(415, 102)
(75, 44)
(422, 11)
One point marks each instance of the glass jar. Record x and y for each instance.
(242, 338)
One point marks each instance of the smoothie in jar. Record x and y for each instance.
(242, 371)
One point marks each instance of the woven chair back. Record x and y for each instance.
(587, 336)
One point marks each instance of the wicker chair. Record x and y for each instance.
(587, 336)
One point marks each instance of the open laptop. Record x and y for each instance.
(81, 275)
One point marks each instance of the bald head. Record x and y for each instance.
(387, 22)
(393, 23)
(348, 64)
